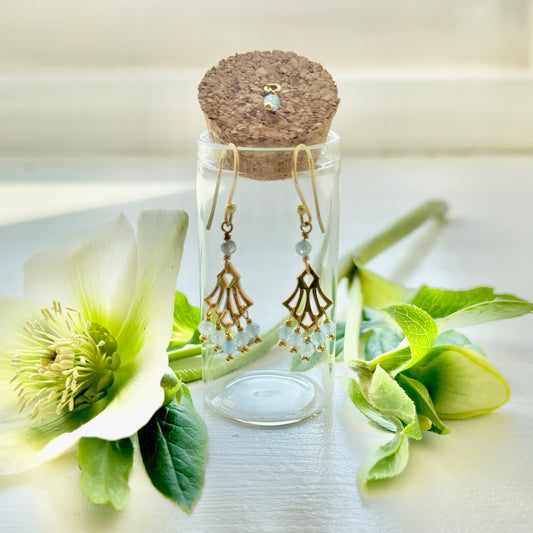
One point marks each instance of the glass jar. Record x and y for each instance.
(269, 245)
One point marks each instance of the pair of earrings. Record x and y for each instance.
(227, 324)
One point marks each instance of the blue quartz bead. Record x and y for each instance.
(205, 327)
(252, 329)
(271, 102)
(318, 338)
(228, 247)
(328, 328)
(306, 349)
(241, 339)
(303, 247)
(229, 347)
(295, 339)
(218, 337)
(284, 332)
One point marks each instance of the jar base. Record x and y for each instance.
(269, 398)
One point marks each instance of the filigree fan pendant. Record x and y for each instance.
(227, 324)
(308, 326)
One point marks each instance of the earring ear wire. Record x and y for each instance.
(311, 166)
(217, 186)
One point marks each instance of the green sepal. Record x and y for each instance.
(388, 398)
(423, 403)
(460, 382)
(353, 390)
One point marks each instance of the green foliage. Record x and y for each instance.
(387, 461)
(185, 323)
(173, 447)
(105, 467)
(353, 390)
(416, 369)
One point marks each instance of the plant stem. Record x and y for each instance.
(183, 353)
(390, 235)
(190, 370)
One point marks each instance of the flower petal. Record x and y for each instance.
(130, 410)
(14, 312)
(160, 238)
(95, 275)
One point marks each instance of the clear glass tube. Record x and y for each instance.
(263, 383)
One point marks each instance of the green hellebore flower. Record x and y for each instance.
(83, 353)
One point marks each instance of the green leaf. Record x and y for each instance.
(379, 292)
(383, 339)
(173, 448)
(440, 303)
(468, 307)
(422, 400)
(392, 362)
(451, 337)
(455, 338)
(387, 461)
(297, 365)
(418, 327)
(461, 382)
(353, 390)
(480, 313)
(105, 467)
(385, 395)
(371, 320)
(185, 324)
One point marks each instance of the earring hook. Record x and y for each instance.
(230, 208)
(311, 165)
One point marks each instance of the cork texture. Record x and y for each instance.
(231, 98)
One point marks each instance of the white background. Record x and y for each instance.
(107, 77)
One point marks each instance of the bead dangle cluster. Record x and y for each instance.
(271, 100)
(308, 326)
(227, 324)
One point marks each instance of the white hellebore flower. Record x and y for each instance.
(83, 354)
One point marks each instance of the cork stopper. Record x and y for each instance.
(232, 95)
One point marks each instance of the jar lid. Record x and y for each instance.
(268, 99)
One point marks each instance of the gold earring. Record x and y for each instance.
(227, 324)
(308, 326)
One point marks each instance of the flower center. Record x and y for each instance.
(64, 363)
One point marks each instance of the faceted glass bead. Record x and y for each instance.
(283, 332)
(218, 337)
(328, 328)
(252, 329)
(306, 349)
(229, 347)
(295, 339)
(205, 327)
(228, 247)
(318, 338)
(273, 100)
(241, 339)
(303, 247)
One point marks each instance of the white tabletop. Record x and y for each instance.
(303, 477)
